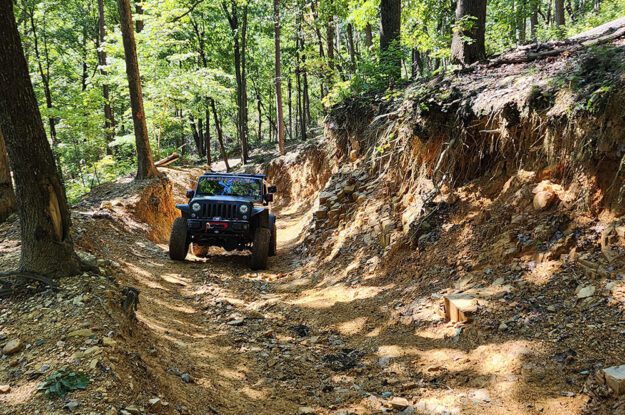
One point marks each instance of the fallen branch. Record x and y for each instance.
(525, 57)
(167, 160)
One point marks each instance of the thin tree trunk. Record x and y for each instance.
(7, 195)
(139, 10)
(46, 243)
(220, 134)
(145, 162)
(330, 43)
(368, 36)
(207, 139)
(290, 104)
(109, 120)
(350, 46)
(558, 13)
(44, 74)
(534, 20)
(278, 70)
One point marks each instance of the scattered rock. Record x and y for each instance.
(154, 401)
(12, 347)
(303, 410)
(399, 403)
(107, 341)
(479, 396)
(5, 389)
(186, 378)
(71, 405)
(585, 292)
(544, 199)
(133, 409)
(81, 333)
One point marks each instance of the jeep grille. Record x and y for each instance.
(219, 210)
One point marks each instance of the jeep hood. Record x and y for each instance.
(235, 199)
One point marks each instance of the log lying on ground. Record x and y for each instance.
(167, 160)
(598, 36)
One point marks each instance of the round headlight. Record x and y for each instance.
(196, 207)
(244, 209)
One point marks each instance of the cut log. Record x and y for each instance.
(459, 307)
(167, 160)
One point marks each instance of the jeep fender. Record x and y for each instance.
(260, 218)
(185, 209)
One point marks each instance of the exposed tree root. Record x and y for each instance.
(9, 287)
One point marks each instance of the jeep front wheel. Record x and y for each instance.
(260, 250)
(273, 242)
(178, 243)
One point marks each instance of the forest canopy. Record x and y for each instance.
(209, 79)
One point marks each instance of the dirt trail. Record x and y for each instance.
(308, 334)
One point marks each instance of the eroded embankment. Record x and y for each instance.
(504, 187)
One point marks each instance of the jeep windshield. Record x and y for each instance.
(230, 186)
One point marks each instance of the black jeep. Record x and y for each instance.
(230, 211)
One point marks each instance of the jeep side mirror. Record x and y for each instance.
(269, 197)
(190, 194)
(272, 189)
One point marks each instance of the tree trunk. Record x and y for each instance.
(7, 195)
(534, 20)
(330, 43)
(220, 134)
(109, 120)
(145, 162)
(239, 36)
(558, 13)
(468, 40)
(139, 10)
(390, 31)
(45, 75)
(47, 246)
(350, 46)
(368, 36)
(207, 139)
(290, 105)
(278, 69)
(521, 22)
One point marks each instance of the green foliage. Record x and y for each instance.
(63, 381)
(186, 56)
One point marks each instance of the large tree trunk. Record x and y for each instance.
(145, 162)
(109, 119)
(351, 46)
(7, 195)
(468, 40)
(278, 68)
(47, 246)
(390, 31)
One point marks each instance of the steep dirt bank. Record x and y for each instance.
(502, 187)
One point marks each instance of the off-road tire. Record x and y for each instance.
(260, 249)
(273, 242)
(199, 250)
(178, 243)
